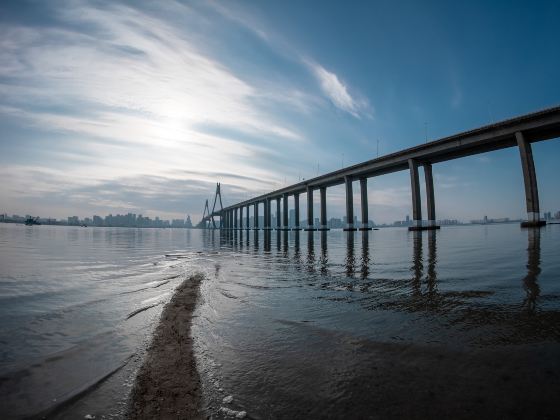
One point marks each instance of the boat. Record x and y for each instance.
(30, 221)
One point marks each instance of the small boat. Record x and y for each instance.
(30, 221)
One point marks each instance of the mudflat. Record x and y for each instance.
(168, 385)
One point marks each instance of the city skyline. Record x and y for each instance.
(100, 115)
(334, 222)
(110, 220)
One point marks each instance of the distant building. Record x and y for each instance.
(335, 223)
(447, 222)
(178, 223)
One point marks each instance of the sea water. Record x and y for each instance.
(288, 324)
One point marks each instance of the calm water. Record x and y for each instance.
(290, 324)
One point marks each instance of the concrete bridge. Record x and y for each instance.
(518, 132)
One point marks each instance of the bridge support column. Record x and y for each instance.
(267, 214)
(309, 209)
(364, 204)
(416, 201)
(349, 204)
(231, 219)
(278, 214)
(323, 191)
(530, 179)
(235, 219)
(285, 221)
(241, 218)
(296, 206)
(247, 218)
(256, 216)
(430, 199)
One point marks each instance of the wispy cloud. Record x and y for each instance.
(123, 93)
(106, 92)
(330, 84)
(337, 92)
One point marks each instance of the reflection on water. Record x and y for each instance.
(350, 259)
(343, 323)
(417, 268)
(533, 270)
(365, 256)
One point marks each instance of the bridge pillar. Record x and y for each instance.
(235, 219)
(247, 217)
(296, 206)
(416, 201)
(530, 179)
(309, 209)
(430, 197)
(241, 218)
(231, 219)
(364, 204)
(349, 204)
(285, 222)
(267, 217)
(323, 191)
(256, 216)
(278, 214)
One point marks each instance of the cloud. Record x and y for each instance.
(457, 96)
(337, 92)
(158, 72)
(144, 194)
(330, 84)
(110, 91)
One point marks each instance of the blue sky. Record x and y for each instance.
(109, 107)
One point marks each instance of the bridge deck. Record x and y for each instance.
(537, 126)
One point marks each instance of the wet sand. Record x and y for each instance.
(168, 385)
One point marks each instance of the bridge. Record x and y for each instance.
(518, 132)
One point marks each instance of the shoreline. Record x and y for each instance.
(168, 384)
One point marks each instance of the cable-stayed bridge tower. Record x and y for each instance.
(207, 215)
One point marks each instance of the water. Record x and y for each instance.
(69, 302)
(463, 320)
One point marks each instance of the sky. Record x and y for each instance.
(141, 106)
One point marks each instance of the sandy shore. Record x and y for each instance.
(168, 385)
